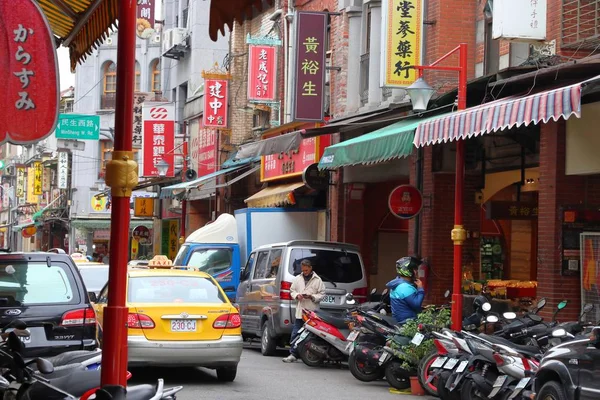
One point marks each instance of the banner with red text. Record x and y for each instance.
(262, 64)
(203, 151)
(216, 97)
(158, 137)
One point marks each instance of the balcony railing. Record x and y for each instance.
(107, 101)
(363, 86)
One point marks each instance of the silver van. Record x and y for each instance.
(263, 296)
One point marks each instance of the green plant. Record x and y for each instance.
(411, 354)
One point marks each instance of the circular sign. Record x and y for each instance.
(141, 234)
(315, 179)
(405, 201)
(29, 231)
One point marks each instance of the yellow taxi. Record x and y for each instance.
(179, 318)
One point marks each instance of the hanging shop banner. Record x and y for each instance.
(29, 71)
(5, 195)
(204, 149)
(46, 179)
(309, 95)
(63, 170)
(37, 181)
(169, 238)
(143, 207)
(508, 210)
(32, 198)
(135, 248)
(262, 66)
(401, 39)
(145, 19)
(21, 186)
(405, 201)
(138, 102)
(216, 97)
(159, 138)
(142, 234)
(286, 165)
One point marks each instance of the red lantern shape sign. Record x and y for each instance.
(29, 73)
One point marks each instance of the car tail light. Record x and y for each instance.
(228, 321)
(139, 321)
(499, 359)
(360, 294)
(440, 347)
(84, 316)
(284, 291)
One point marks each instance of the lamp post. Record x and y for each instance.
(420, 93)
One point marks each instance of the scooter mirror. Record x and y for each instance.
(385, 291)
(486, 307)
(446, 294)
(588, 307)
(562, 304)
(559, 333)
(491, 319)
(373, 291)
(541, 304)
(509, 315)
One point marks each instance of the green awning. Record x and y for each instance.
(91, 224)
(393, 141)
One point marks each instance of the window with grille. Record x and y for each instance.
(581, 24)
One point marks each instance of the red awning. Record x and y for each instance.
(503, 114)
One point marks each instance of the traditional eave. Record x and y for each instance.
(225, 12)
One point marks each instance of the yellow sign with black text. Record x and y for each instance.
(401, 41)
(37, 178)
(143, 207)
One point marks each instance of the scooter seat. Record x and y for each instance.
(339, 323)
(389, 320)
(527, 350)
(75, 381)
(73, 357)
(140, 392)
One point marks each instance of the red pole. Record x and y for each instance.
(121, 176)
(458, 233)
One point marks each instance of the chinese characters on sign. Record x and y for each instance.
(511, 210)
(46, 177)
(21, 186)
(310, 66)
(37, 182)
(29, 102)
(204, 149)
(284, 165)
(216, 97)
(405, 201)
(169, 237)
(261, 73)
(32, 198)
(159, 137)
(63, 170)
(145, 19)
(401, 31)
(138, 102)
(5, 195)
(143, 207)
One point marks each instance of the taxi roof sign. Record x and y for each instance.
(160, 261)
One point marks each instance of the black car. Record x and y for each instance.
(46, 291)
(570, 370)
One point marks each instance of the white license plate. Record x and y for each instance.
(500, 381)
(383, 357)
(520, 386)
(183, 325)
(462, 366)
(439, 362)
(328, 300)
(302, 336)
(417, 339)
(352, 336)
(451, 363)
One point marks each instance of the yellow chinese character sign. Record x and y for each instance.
(143, 207)
(37, 181)
(401, 31)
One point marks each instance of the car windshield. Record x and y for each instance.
(27, 283)
(211, 261)
(331, 265)
(94, 278)
(173, 289)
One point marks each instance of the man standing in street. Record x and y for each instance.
(308, 289)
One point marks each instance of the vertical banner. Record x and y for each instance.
(31, 197)
(145, 19)
(135, 248)
(46, 179)
(401, 41)
(159, 138)
(173, 238)
(20, 190)
(310, 66)
(37, 182)
(164, 236)
(216, 97)
(6, 195)
(63, 170)
(138, 102)
(262, 66)
(203, 150)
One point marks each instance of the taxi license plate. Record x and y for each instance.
(183, 325)
(439, 362)
(328, 300)
(451, 363)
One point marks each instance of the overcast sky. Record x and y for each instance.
(66, 77)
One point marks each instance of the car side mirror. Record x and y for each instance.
(93, 297)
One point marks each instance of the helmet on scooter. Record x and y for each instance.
(478, 302)
(406, 266)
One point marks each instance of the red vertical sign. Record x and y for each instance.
(145, 19)
(216, 96)
(28, 72)
(262, 65)
(204, 151)
(158, 137)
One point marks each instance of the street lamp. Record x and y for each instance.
(420, 93)
(162, 167)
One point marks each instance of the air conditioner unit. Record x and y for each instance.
(174, 43)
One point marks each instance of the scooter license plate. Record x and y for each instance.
(520, 386)
(300, 338)
(450, 364)
(439, 362)
(462, 366)
(499, 381)
(417, 339)
(352, 336)
(383, 357)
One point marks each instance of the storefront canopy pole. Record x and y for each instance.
(121, 176)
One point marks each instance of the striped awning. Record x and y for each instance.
(81, 25)
(504, 114)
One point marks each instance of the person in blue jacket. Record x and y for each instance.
(406, 292)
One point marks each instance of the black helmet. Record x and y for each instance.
(406, 266)
(478, 302)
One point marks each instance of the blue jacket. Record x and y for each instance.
(405, 299)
